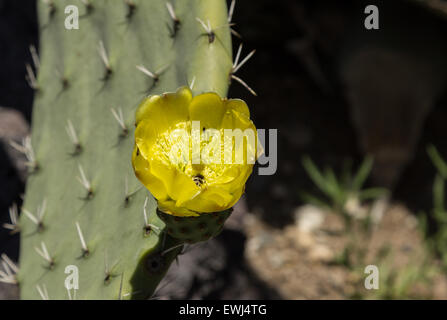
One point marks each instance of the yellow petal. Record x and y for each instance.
(212, 199)
(237, 105)
(240, 124)
(240, 174)
(168, 206)
(165, 110)
(179, 187)
(145, 136)
(208, 108)
(143, 173)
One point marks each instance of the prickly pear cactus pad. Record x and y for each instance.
(84, 207)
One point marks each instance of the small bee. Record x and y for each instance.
(199, 180)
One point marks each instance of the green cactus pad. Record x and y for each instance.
(77, 88)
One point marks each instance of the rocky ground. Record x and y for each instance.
(317, 258)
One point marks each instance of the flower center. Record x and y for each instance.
(175, 149)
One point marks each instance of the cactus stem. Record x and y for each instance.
(104, 193)
(43, 292)
(10, 270)
(73, 137)
(31, 78)
(174, 19)
(85, 183)
(120, 119)
(38, 219)
(85, 250)
(14, 217)
(27, 149)
(105, 59)
(43, 252)
(34, 56)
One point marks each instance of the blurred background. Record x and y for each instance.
(361, 118)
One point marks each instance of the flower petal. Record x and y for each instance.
(237, 105)
(165, 110)
(215, 199)
(179, 186)
(168, 206)
(143, 173)
(208, 108)
(145, 137)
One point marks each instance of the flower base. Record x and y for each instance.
(195, 229)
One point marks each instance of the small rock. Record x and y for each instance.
(309, 218)
(276, 260)
(321, 253)
(354, 208)
(257, 243)
(304, 239)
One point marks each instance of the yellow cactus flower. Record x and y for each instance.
(194, 154)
